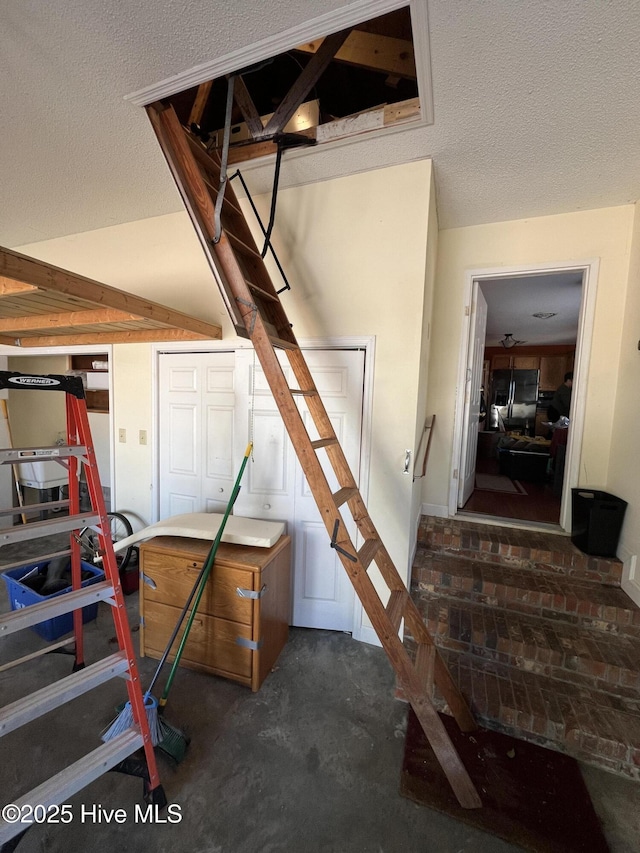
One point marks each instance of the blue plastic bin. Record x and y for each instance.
(22, 596)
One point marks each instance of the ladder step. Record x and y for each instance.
(323, 442)
(215, 189)
(425, 665)
(59, 788)
(299, 393)
(343, 495)
(264, 294)
(47, 506)
(44, 558)
(37, 529)
(53, 695)
(241, 246)
(25, 617)
(278, 343)
(16, 455)
(395, 607)
(368, 551)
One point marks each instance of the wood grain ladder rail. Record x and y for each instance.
(258, 314)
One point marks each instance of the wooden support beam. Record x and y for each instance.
(305, 82)
(5, 340)
(64, 319)
(31, 271)
(376, 52)
(248, 109)
(132, 337)
(195, 116)
(9, 287)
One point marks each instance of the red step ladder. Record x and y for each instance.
(110, 755)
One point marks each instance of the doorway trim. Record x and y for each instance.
(361, 630)
(589, 269)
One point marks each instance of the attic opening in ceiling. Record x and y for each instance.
(360, 80)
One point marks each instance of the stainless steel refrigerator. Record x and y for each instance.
(514, 397)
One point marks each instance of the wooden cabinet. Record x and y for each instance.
(552, 371)
(526, 362)
(501, 362)
(517, 362)
(242, 623)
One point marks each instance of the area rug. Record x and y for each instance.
(499, 483)
(531, 796)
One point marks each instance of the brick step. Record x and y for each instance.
(560, 598)
(547, 647)
(593, 726)
(526, 549)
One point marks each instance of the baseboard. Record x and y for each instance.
(630, 575)
(436, 510)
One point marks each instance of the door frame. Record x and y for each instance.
(589, 269)
(360, 631)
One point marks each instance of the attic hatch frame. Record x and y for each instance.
(312, 30)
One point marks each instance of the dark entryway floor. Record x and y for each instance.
(309, 763)
(540, 504)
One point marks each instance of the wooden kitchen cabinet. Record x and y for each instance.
(553, 369)
(242, 622)
(517, 362)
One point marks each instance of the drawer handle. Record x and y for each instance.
(250, 593)
(149, 581)
(266, 506)
(254, 645)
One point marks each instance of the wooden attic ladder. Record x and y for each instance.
(257, 313)
(119, 752)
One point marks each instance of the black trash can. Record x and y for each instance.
(596, 521)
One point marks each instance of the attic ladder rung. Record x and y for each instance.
(368, 551)
(241, 246)
(324, 442)
(263, 294)
(279, 343)
(60, 692)
(298, 392)
(395, 607)
(343, 495)
(215, 189)
(25, 617)
(59, 788)
(49, 527)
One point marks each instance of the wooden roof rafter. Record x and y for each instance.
(43, 306)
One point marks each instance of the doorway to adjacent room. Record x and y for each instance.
(525, 330)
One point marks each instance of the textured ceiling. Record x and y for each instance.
(536, 107)
(512, 303)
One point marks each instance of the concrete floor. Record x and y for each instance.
(311, 762)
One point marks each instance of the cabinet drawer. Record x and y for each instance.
(212, 643)
(174, 578)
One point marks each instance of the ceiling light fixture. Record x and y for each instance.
(509, 341)
(545, 315)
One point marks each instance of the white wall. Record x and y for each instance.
(624, 463)
(567, 238)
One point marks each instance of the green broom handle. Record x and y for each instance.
(205, 577)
